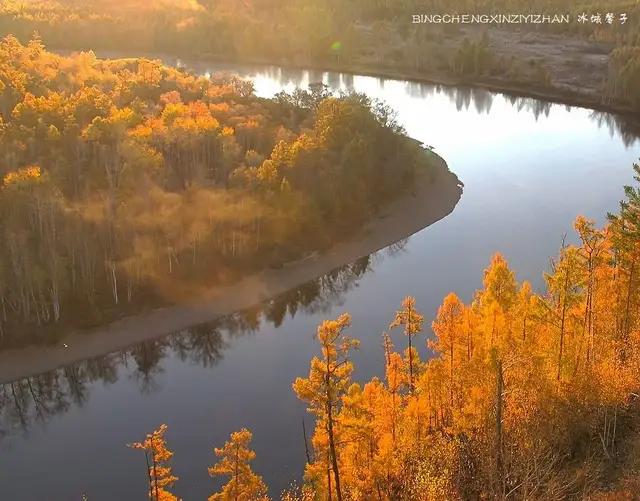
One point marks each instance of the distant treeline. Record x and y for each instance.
(125, 181)
(273, 27)
(374, 33)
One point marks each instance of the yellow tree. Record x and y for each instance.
(159, 471)
(411, 320)
(565, 290)
(524, 306)
(235, 456)
(591, 255)
(328, 381)
(395, 378)
(447, 327)
(363, 426)
(499, 283)
(625, 228)
(496, 299)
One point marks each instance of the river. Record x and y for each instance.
(528, 168)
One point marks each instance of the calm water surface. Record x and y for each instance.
(529, 167)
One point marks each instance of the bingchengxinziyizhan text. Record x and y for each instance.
(595, 18)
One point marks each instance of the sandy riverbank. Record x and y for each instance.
(431, 201)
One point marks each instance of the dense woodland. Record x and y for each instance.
(366, 34)
(128, 182)
(525, 396)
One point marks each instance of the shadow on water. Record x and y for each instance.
(38, 398)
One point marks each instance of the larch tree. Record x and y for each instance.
(625, 227)
(499, 283)
(565, 290)
(157, 457)
(524, 308)
(592, 255)
(235, 458)
(411, 321)
(496, 299)
(328, 381)
(447, 327)
(362, 430)
(396, 378)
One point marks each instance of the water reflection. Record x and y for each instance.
(627, 128)
(38, 398)
(35, 399)
(272, 79)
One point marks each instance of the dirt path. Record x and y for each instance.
(404, 217)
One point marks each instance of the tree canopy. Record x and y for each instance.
(123, 180)
(524, 396)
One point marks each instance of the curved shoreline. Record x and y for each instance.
(430, 202)
(529, 90)
(556, 95)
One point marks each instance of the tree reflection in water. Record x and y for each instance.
(626, 126)
(36, 399)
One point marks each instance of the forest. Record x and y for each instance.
(127, 183)
(372, 35)
(524, 396)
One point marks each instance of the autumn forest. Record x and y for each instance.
(365, 35)
(526, 396)
(314, 250)
(118, 149)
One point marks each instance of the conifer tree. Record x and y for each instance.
(411, 321)
(565, 289)
(235, 458)
(447, 327)
(625, 227)
(159, 471)
(328, 381)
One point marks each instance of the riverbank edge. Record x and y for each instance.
(432, 199)
(524, 90)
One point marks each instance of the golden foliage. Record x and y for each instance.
(158, 456)
(25, 175)
(235, 456)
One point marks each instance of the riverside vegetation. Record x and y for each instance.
(127, 183)
(369, 35)
(526, 396)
